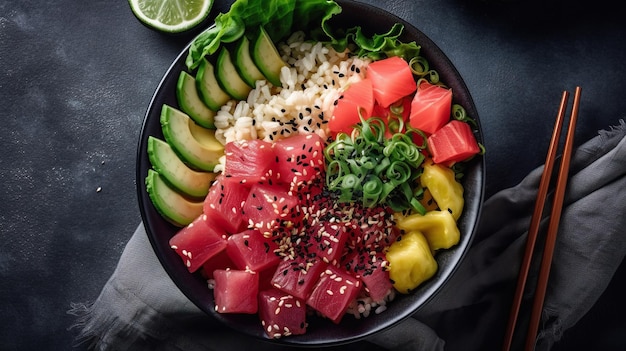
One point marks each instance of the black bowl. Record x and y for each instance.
(320, 332)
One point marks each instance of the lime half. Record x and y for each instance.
(171, 16)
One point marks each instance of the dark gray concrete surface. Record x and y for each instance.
(76, 78)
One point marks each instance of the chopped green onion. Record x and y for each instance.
(459, 113)
(433, 76)
(371, 167)
(419, 66)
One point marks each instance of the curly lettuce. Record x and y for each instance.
(288, 16)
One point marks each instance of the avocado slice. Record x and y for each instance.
(208, 88)
(177, 174)
(228, 77)
(246, 67)
(174, 207)
(190, 102)
(267, 58)
(195, 145)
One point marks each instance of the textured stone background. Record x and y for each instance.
(76, 78)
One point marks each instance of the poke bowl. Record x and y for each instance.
(237, 134)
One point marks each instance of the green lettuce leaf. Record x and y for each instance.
(288, 16)
(377, 46)
(246, 16)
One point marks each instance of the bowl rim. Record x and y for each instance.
(345, 332)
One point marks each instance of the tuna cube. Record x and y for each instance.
(236, 291)
(281, 314)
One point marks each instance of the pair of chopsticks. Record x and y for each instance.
(555, 215)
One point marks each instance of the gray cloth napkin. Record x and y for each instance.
(140, 308)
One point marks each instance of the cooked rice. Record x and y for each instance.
(314, 78)
(364, 305)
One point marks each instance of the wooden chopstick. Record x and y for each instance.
(552, 229)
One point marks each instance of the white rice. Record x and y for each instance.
(364, 305)
(314, 78)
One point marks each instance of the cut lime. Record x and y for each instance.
(171, 16)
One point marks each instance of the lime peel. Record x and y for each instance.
(171, 16)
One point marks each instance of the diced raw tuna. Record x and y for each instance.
(298, 159)
(223, 203)
(328, 240)
(356, 102)
(430, 108)
(236, 291)
(392, 79)
(371, 268)
(333, 292)
(376, 233)
(266, 205)
(251, 250)
(248, 160)
(220, 261)
(281, 314)
(198, 242)
(297, 277)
